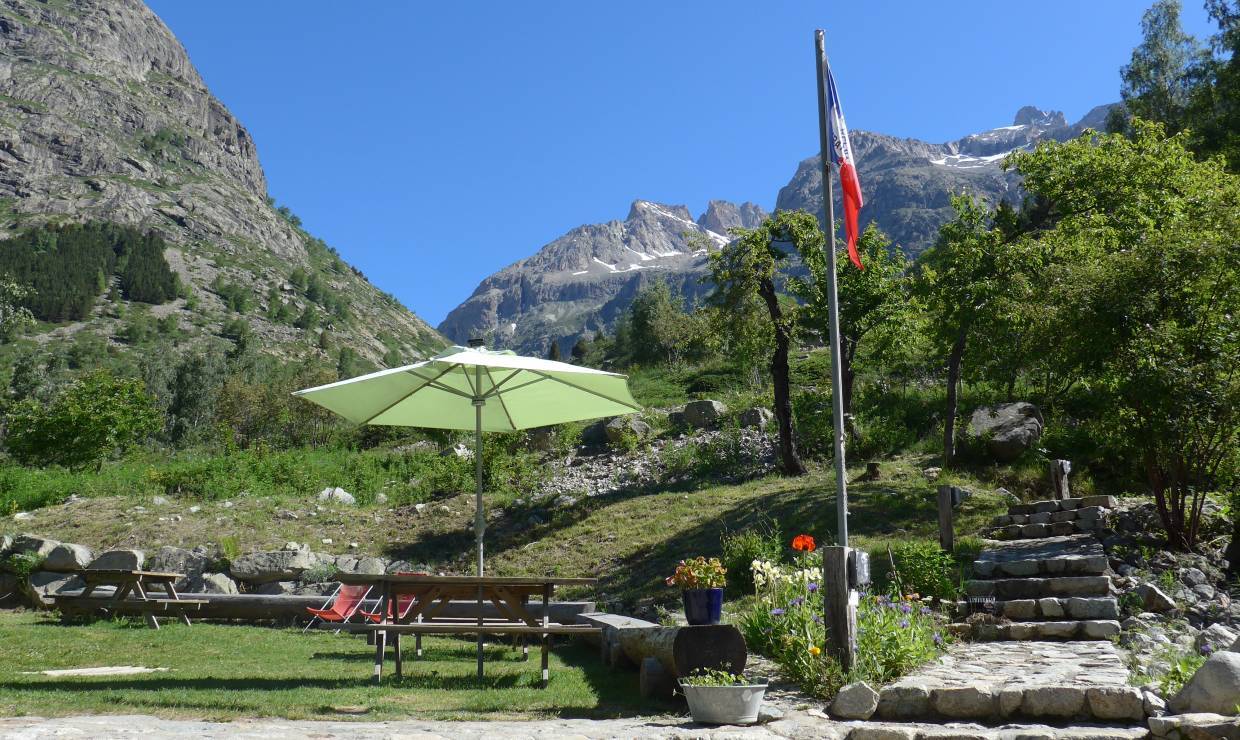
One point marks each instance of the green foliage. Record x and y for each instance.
(93, 419)
(22, 564)
(714, 677)
(322, 572)
(699, 572)
(1158, 81)
(763, 541)
(14, 317)
(923, 568)
(234, 295)
(656, 329)
(785, 624)
(68, 267)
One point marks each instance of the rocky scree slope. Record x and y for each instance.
(103, 117)
(581, 282)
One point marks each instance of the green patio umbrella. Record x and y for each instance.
(476, 388)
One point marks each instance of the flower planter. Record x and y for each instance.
(703, 605)
(724, 705)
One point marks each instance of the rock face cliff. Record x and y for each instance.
(103, 117)
(908, 183)
(579, 283)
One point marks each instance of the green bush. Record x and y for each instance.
(921, 567)
(815, 424)
(22, 564)
(740, 549)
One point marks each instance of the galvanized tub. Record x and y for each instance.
(725, 705)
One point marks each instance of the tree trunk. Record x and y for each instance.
(847, 374)
(953, 384)
(780, 376)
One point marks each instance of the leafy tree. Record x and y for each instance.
(749, 266)
(581, 348)
(93, 419)
(1144, 301)
(872, 301)
(192, 393)
(554, 352)
(1214, 113)
(656, 329)
(1158, 82)
(14, 317)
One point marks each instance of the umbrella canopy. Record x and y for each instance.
(475, 388)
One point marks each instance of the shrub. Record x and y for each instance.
(22, 564)
(322, 572)
(785, 624)
(922, 568)
(741, 549)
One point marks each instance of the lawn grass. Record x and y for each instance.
(220, 672)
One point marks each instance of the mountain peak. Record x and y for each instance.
(664, 210)
(722, 215)
(1031, 115)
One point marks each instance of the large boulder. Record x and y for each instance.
(43, 584)
(6, 544)
(1006, 430)
(1215, 687)
(622, 426)
(31, 544)
(264, 567)
(758, 417)
(704, 414)
(337, 495)
(855, 701)
(67, 558)
(370, 567)
(595, 435)
(1154, 600)
(189, 563)
(119, 560)
(211, 583)
(1214, 638)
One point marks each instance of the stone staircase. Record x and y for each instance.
(1051, 584)
(1034, 649)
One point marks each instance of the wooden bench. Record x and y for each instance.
(129, 583)
(467, 627)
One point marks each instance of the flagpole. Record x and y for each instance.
(828, 204)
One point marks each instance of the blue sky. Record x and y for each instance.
(433, 143)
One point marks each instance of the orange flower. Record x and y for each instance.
(803, 543)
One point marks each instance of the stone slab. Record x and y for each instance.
(1007, 589)
(1036, 680)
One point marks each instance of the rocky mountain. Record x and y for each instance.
(104, 118)
(580, 282)
(908, 183)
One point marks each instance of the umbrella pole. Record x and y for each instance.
(479, 519)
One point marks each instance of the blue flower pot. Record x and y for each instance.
(703, 605)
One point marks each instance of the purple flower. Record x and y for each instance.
(938, 639)
(906, 608)
(812, 587)
(1206, 649)
(904, 623)
(817, 619)
(777, 612)
(925, 610)
(797, 601)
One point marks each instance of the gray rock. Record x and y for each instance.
(370, 566)
(1215, 687)
(67, 558)
(595, 435)
(32, 544)
(1050, 607)
(1196, 726)
(22, 516)
(1154, 600)
(542, 439)
(277, 588)
(45, 583)
(211, 583)
(263, 567)
(1053, 701)
(1007, 430)
(1212, 639)
(963, 702)
(704, 414)
(909, 701)
(1153, 704)
(337, 495)
(855, 701)
(757, 417)
(621, 426)
(1116, 702)
(119, 560)
(190, 564)
(6, 544)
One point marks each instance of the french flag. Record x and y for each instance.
(842, 155)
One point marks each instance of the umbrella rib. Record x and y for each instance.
(603, 396)
(525, 384)
(496, 386)
(500, 396)
(427, 381)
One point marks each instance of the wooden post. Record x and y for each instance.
(1059, 470)
(840, 605)
(947, 535)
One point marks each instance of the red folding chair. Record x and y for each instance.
(345, 604)
(403, 603)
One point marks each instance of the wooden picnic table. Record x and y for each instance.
(131, 583)
(431, 594)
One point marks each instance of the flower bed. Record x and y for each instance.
(785, 623)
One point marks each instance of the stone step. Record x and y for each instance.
(1054, 529)
(1067, 504)
(997, 682)
(1077, 629)
(1011, 589)
(856, 730)
(1088, 513)
(1071, 565)
(1050, 608)
(1080, 554)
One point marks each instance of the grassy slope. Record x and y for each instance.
(629, 541)
(222, 672)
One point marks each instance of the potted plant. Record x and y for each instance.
(721, 698)
(701, 583)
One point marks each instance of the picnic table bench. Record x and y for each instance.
(128, 583)
(427, 596)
